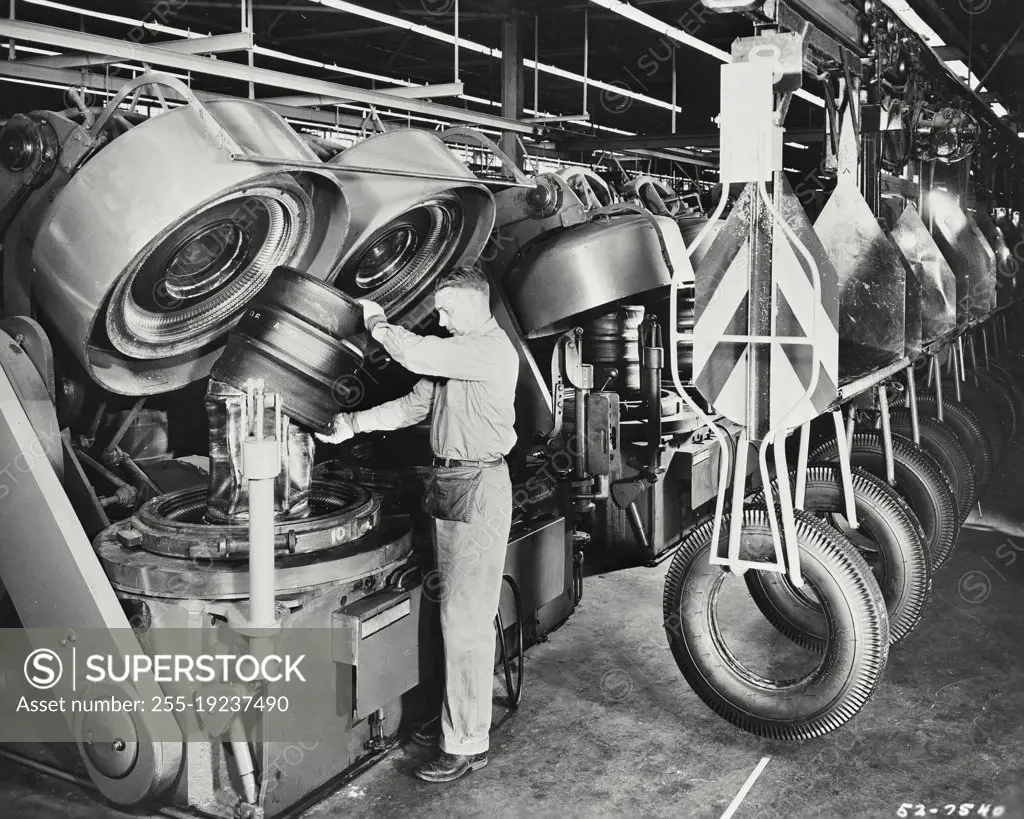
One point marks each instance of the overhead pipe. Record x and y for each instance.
(321, 166)
(154, 55)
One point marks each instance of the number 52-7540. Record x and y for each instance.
(963, 809)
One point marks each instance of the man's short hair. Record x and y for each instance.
(469, 278)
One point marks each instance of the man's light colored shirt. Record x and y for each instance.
(473, 411)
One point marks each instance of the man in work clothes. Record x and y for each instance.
(468, 390)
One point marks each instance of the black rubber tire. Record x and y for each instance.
(1012, 363)
(944, 445)
(1005, 402)
(887, 525)
(967, 426)
(919, 481)
(1009, 382)
(854, 658)
(988, 411)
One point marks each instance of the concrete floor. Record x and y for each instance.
(609, 728)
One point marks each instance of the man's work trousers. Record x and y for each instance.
(471, 561)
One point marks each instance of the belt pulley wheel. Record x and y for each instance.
(856, 632)
(193, 283)
(172, 524)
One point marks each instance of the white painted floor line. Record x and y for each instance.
(737, 800)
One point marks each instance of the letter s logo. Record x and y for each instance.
(43, 668)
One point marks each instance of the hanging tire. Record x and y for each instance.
(856, 648)
(1005, 401)
(989, 413)
(890, 540)
(967, 426)
(1009, 382)
(944, 445)
(919, 481)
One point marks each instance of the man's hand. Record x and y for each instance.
(342, 430)
(373, 314)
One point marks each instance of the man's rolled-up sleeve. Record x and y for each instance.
(464, 358)
(402, 412)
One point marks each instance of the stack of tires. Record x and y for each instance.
(865, 587)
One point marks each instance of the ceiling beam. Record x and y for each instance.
(23, 70)
(675, 157)
(709, 139)
(414, 92)
(153, 55)
(214, 44)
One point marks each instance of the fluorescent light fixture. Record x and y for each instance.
(1000, 110)
(366, 75)
(280, 55)
(671, 32)
(616, 90)
(959, 67)
(495, 53)
(798, 145)
(791, 170)
(43, 52)
(643, 18)
(115, 18)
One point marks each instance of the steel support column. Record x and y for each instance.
(512, 81)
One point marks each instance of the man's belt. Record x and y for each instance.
(449, 462)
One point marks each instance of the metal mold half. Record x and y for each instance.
(295, 335)
(174, 524)
(406, 231)
(970, 256)
(152, 250)
(872, 284)
(589, 266)
(137, 571)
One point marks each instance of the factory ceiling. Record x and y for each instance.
(576, 37)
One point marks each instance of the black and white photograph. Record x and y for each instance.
(498, 409)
